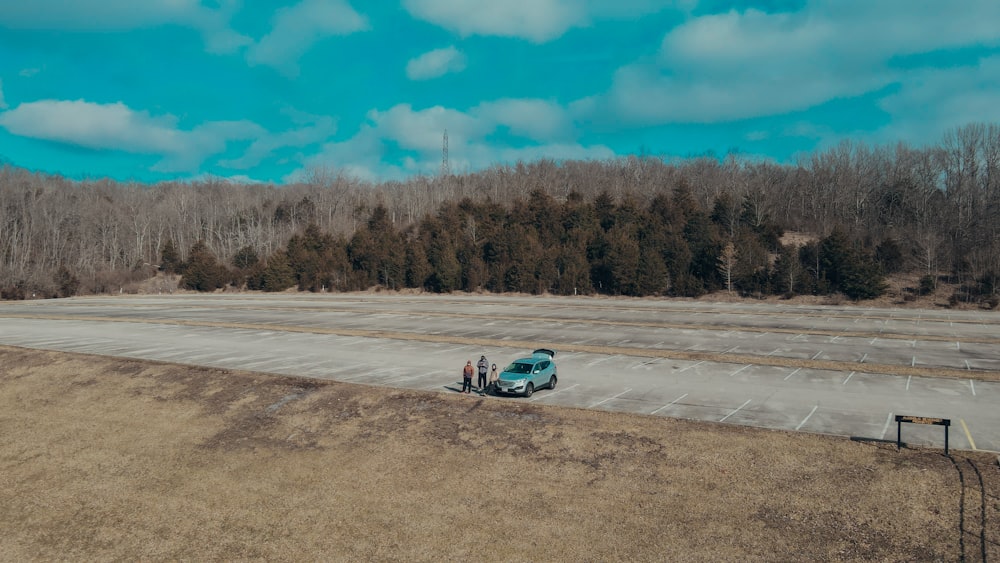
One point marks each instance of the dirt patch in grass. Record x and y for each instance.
(104, 458)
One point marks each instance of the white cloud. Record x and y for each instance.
(267, 143)
(119, 128)
(435, 63)
(3, 103)
(539, 120)
(748, 64)
(469, 137)
(934, 101)
(422, 130)
(119, 15)
(536, 20)
(298, 27)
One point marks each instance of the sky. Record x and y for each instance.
(276, 91)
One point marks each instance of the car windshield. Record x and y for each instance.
(518, 367)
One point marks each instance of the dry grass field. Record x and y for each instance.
(113, 459)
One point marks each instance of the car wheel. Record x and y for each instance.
(552, 382)
(529, 390)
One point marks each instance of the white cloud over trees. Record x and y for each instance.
(436, 63)
(296, 28)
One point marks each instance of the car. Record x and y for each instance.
(524, 376)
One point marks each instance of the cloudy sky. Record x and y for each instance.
(265, 90)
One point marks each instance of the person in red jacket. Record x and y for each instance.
(467, 377)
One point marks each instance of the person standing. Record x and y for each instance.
(483, 366)
(467, 377)
(494, 377)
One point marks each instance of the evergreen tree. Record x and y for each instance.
(170, 258)
(67, 284)
(202, 272)
(277, 274)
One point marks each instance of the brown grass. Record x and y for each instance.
(119, 459)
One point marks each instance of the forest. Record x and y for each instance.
(636, 226)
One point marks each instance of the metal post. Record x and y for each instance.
(899, 433)
(946, 440)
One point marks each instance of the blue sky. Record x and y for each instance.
(272, 91)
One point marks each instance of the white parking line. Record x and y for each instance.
(793, 373)
(536, 397)
(872, 343)
(739, 370)
(775, 351)
(670, 404)
(691, 366)
(913, 362)
(967, 366)
(610, 398)
(730, 350)
(885, 428)
(735, 411)
(595, 362)
(834, 339)
(972, 384)
(816, 355)
(863, 358)
(849, 377)
(958, 345)
(908, 378)
(806, 419)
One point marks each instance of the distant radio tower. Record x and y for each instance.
(445, 167)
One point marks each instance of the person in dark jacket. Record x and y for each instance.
(484, 366)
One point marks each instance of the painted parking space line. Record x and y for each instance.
(691, 366)
(736, 411)
(670, 404)
(560, 390)
(908, 378)
(806, 419)
(739, 370)
(972, 385)
(968, 436)
(796, 370)
(598, 403)
(863, 358)
(849, 377)
(599, 360)
(888, 420)
(816, 355)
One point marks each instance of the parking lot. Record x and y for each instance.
(833, 370)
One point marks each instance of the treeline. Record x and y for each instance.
(932, 211)
(672, 246)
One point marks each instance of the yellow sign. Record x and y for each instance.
(924, 420)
